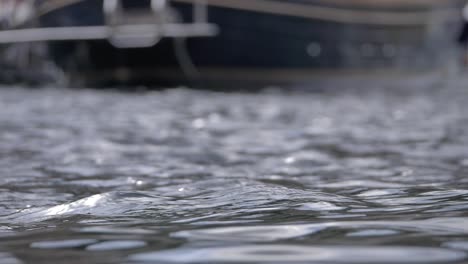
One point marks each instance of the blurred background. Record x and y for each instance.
(222, 42)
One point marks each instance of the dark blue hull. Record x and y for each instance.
(255, 46)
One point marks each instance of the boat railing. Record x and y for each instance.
(119, 32)
(123, 34)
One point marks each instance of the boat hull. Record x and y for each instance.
(256, 47)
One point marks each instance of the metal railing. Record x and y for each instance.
(122, 34)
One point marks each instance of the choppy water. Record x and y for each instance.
(183, 176)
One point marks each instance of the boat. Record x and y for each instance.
(231, 42)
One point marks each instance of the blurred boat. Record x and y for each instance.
(22, 61)
(229, 42)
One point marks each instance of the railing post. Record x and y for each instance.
(200, 11)
(158, 5)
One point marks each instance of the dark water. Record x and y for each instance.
(184, 176)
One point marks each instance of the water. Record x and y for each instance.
(185, 176)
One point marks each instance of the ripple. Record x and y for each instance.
(372, 233)
(283, 253)
(6, 258)
(461, 245)
(61, 244)
(105, 204)
(208, 174)
(268, 233)
(116, 230)
(116, 245)
(361, 183)
(378, 193)
(320, 206)
(251, 233)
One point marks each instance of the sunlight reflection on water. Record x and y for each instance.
(191, 176)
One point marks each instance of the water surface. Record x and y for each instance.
(186, 176)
